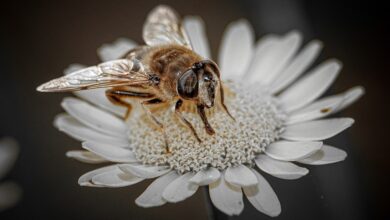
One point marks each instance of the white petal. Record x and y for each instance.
(10, 194)
(180, 189)
(9, 150)
(75, 129)
(263, 197)
(115, 178)
(310, 87)
(226, 197)
(94, 117)
(297, 66)
(267, 67)
(236, 49)
(99, 98)
(264, 47)
(326, 106)
(110, 152)
(315, 110)
(350, 97)
(115, 50)
(152, 196)
(95, 96)
(85, 179)
(280, 169)
(85, 156)
(240, 176)
(316, 130)
(326, 155)
(292, 151)
(205, 177)
(73, 68)
(144, 171)
(195, 29)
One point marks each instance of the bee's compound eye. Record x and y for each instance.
(187, 85)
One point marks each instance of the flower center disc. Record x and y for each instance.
(258, 122)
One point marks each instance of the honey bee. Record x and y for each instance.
(165, 70)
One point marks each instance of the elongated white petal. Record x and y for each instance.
(326, 155)
(288, 48)
(9, 150)
(115, 178)
(95, 117)
(263, 197)
(350, 97)
(73, 68)
(86, 179)
(240, 176)
(205, 177)
(316, 130)
(236, 49)
(310, 87)
(99, 98)
(264, 47)
(110, 152)
(116, 49)
(180, 189)
(271, 64)
(292, 151)
(315, 110)
(195, 29)
(75, 129)
(226, 197)
(326, 106)
(85, 156)
(280, 169)
(296, 67)
(10, 194)
(95, 96)
(152, 196)
(144, 171)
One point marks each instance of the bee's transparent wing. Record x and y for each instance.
(163, 26)
(113, 73)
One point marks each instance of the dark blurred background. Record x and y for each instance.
(40, 38)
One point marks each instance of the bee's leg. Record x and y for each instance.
(155, 120)
(149, 113)
(179, 103)
(117, 100)
(203, 116)
(116, 97)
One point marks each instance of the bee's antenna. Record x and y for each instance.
(223, 99)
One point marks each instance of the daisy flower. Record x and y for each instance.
(9, 191)
(279, 128)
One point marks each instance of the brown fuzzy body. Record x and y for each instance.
(167, 62)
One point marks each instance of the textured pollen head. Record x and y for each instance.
(258, 123)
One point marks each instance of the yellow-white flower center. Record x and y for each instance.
(258, 122)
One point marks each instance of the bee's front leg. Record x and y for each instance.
(206, 123)
(155, 101)
(178, 105)
(149, 113)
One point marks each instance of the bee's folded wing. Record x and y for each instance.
(113, 73)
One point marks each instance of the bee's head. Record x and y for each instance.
(199, 83)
